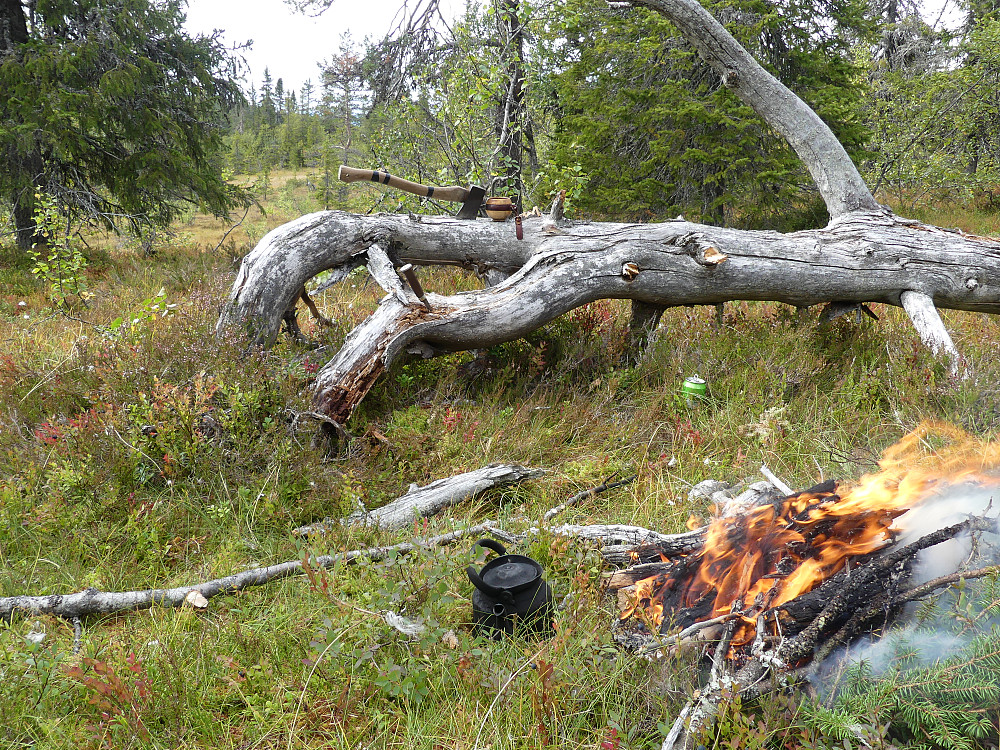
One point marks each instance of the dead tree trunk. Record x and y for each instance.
(865, 254)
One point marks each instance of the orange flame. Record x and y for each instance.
(771, 554)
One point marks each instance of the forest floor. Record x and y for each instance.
(110, 478)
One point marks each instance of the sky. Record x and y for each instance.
(288, 43)
(291, 44)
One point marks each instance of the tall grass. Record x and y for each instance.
(152, 454)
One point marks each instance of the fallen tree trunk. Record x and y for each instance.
(873, 257)
(865, 254)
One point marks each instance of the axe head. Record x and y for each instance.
(472, 203)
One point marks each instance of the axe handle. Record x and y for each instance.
(451, 193)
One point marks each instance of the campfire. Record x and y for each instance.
(762, 558)
(785, 580)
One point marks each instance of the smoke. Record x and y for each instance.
(929, 634)
(907, 647)
(951, 504)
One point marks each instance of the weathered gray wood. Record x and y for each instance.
(288, 256)
(644, 320)
(430, 499)
(626, 545)
(859, 258)
(925, 318)
(95, 602)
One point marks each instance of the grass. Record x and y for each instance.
(155, 455)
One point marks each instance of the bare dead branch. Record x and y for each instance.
(592, 492)
(94, 602)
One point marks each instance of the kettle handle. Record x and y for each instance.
(492, 544)
(502, 595)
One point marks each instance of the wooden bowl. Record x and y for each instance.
(499, 208)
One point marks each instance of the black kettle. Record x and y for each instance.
(510, 595)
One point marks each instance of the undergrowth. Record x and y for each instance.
(137, 450)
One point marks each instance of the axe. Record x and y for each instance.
(471, 198)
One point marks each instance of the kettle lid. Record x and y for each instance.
(511, 571)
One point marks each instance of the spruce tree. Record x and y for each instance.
(111, 108)
(644, 129)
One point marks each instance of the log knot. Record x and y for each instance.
(698, 246)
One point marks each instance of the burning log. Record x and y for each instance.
(777, 585)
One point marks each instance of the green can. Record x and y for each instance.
(693, 389)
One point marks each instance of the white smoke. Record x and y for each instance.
(948, 506)
(919, 641)
(910, 646)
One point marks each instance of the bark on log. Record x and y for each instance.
(625, 545)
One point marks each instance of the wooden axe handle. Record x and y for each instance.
(451, 193)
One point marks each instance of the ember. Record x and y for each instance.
(764, 557)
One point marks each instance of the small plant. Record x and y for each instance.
(58, 260)
(569, 178)
(120, 701)
(149, 310)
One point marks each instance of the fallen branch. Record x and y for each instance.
(421, 502)
(915, 592)
(95, 602)
(769, 475)
(625, 545)
(592, 492)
